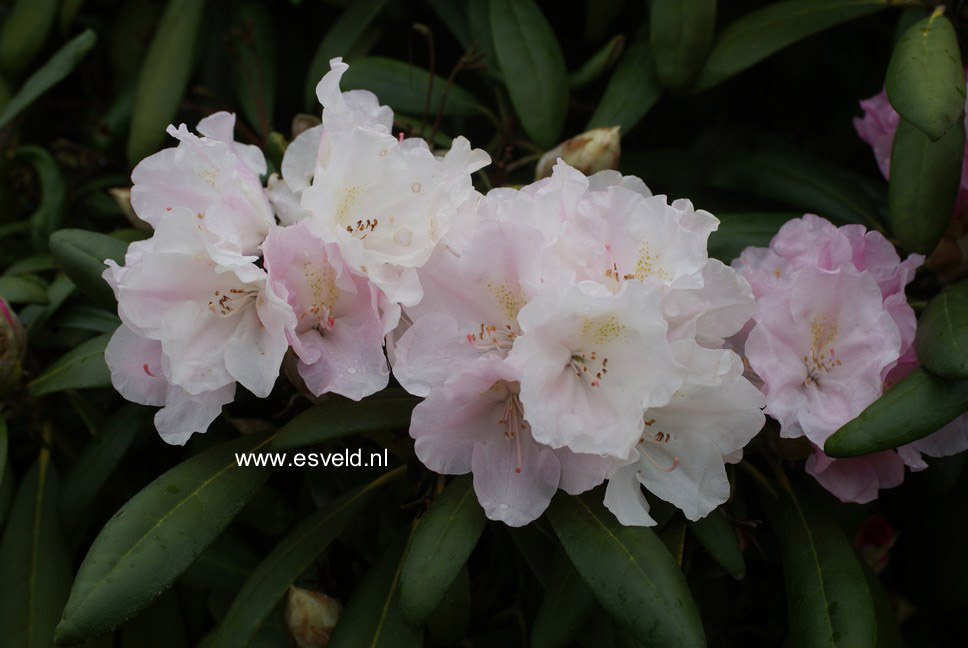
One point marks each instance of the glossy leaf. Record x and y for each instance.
(631, 91)
(271, 579)
(716, 534)
(98, 460)
(925, 79)
(338, 417)
(82, 367)
(451, 620)
(253, 48)
(224, 566)
(565, 607)
(441, 545)
(925, 177)
(482, 36)
(681, 33)
(89, 318)
(35, 567)
(50, 211)
(533, 67)
(341, 36)
(156, 535)
(164, 76)
(600, 62)
(737, 231)
(942, 336)
(750, 39)
(629, 570)
(24, 33)
(828, 601)
(81, 255)
(372, 616)
(921, 403)
(22, 290)
(404, 87)
(50, 74)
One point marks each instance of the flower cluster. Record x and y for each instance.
(831, 331)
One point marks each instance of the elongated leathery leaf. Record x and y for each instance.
(81, 254)
(681, 33)
(82, 367)
(925, 79)
(441, 545)
(630, 571)
(157, 535)
(566, 605)
(631, 92)
(918, 405)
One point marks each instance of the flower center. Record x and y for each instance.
(589, 368)
(227, 302)
(659, 437)
(491, 337)
(512, 419)
(821, 358)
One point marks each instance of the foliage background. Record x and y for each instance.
(771, 142)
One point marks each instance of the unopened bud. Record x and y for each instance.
(13, 345)
(591, 152)
(311, 617)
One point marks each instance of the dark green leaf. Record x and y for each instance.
(738, 231)
(57, 293)
(441, 545)
(22, 290)
(35, 263)
(253, 55)
(925, 79)
(482, 36)
(223, 567)
(339, 417)
(565, 608)
(164, 76)
(81, 255)
(82, 367)
(102, 454)
(4, 442)
(631, 92)
(51, 73)
(828, 601)
(89, 318)
(24, 33)
(717, 536)
(451, 620)
(681, 34)
(157, 535)
(404, 87)
(600, 62)
(915, 407)
(372, 616)
(925, 177)
(342, 35)
(533, 68)
(269, 581)
(942, 337)
(630, 572)
(160, 625)
(49, 213)
(35, 568)
(755, 36)
(888, 634)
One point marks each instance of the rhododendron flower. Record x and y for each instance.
(337, 332)
(216, 324)
(214, 178)
(831, 331)
(385, 202)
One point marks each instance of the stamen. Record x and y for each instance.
(490, 337)
(589, 366)
(675, 461)
(235, 299)
(513, 418)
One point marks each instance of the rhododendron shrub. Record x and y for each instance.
(490, 323)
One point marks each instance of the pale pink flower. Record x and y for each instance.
(337, 332)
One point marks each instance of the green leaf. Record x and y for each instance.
(372, 616)
(97, 462)
(441, 545)
(271, 579)
(35, 568)
(4, 442)
(925, 177)
(752, 38)
(153, 538)
(805, 184)
(942, 337)
(22, 290)
(921, 403)
(888, 634)
(533, 68)
(404, 87)
(49, 213)
(342, 35)
(737, 231)
(630, 572)
(339, 417)
(925, 79)
(828, 601)
(164, 76)
(160, 625)
(24, 34)
(89, 318)
(600, 62)
(81, 255)
(223, 567)
(82, 367)
(681, 34)
(253, 56)
(631, 92)
(482, 36)
(451, 620)
(57, 293)
(565, 608)
(717, 536)
(50, 74)
(34, 263)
